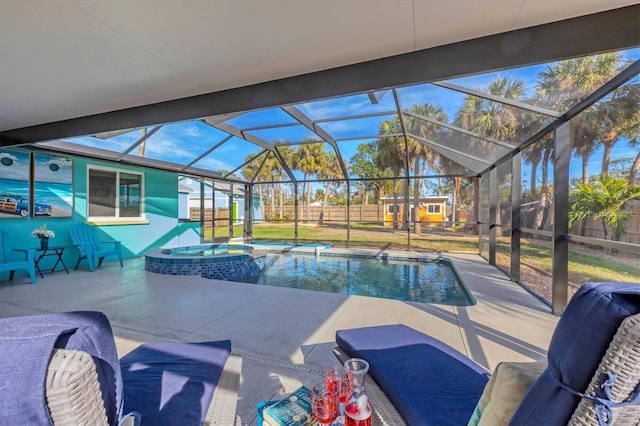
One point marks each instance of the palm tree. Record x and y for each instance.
(287, 154)
(619, 116)
(633, 173)
(418, 151)
(490, 118)
(310, 157)
(271, 171)
(604, 199)
(253, 172)
(390, 157)
(585, 139)
(493, 119)
(330, 170)
(565, 83)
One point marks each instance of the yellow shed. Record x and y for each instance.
(432, 210)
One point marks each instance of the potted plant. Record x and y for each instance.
(43, 234)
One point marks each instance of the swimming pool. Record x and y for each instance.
(208, 250)
(214, 261)
(424, 280)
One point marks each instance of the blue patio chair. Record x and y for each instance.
(426, 381)
(85, 239)
(9, 261)
(72, 375)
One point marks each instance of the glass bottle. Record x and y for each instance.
(357, 411)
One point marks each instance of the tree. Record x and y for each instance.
(490, 118)
(253, 172)
(603, 199)
(310, 159)
(563, 84)
(288, 155)
(618, 116)
(331, 170)
(494, 119)
(363, 164)
(633, 173)
(418, 151)
(390, 157)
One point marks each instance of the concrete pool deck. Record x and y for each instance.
(285, 336)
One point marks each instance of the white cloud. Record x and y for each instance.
(17, 169)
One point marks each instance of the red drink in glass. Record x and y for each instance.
(324, 404)
(357, 411)
(338, 382)
(353, 416)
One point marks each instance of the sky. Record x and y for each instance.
(48, 168)
(184, 142)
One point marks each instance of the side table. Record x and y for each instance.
(51, 251)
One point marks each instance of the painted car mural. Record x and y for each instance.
(20, 205)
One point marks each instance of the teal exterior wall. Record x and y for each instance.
(162, 227)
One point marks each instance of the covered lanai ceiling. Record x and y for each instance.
(217, 84)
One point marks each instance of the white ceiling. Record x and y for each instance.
(62, 59)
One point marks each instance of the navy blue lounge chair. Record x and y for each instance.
(429, 382)
(164, 383)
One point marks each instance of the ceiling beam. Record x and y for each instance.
(500, 99)
(309, 124)
(559, 40)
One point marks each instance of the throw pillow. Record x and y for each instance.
(503, 393)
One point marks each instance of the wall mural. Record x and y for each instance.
(53, 186)
(14, 183)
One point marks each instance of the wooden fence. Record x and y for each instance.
(358, 213)
(631, 234)
(375, 214)
(221, 215)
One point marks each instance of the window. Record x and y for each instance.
(115, 194)
(433, 208)
(393, 209)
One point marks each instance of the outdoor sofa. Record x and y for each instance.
(595, 350)
(63, 369)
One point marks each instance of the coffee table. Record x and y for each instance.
(51, 251)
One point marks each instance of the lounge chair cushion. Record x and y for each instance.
(509, 382)
(173, 383)
(579, 342)
(26, 346)
(427, 381)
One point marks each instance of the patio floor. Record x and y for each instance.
(285, 336)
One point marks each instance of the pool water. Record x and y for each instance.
(427, 282)
(210, 250)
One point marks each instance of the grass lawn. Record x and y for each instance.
(583, 268)
(367, 236)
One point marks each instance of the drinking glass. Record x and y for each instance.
(357, 411)
(324, 403)
(338, 381)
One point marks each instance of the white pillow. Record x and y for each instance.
(503, 393)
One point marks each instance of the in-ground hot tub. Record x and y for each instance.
(215, 261)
